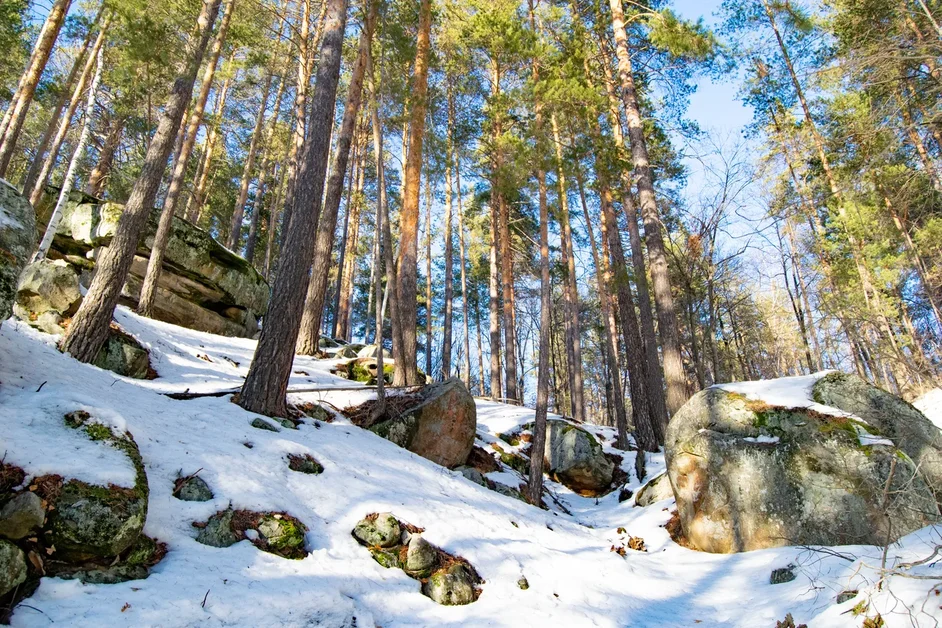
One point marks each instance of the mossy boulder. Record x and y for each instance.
(91, 522)
(124, 355)
(420, 557)
(747, 476)
(48, 291)
(12, 567)
(17, 241)
(452, 586)
(21, 515)
(575, 458)
(218, 531)
(281, 534)
(305, 464)
(439, 427)
(378, 530)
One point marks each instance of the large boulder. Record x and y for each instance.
(203, 285)
(575, 458)
(12, 566)
(440, 427)
(749, 475)
(48, 291)
(124, 355)
(17, 240)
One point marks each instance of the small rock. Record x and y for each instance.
(523, 584)
(304, 464)
(20, 515)
(288, 424)
(472, 474)
(656, 490)
(124, 355)
(624, 495)
(12, 566)
(193, 489)
(846, 596)
(782, 575)
(262, 424)
(388, 558)
(382, 530)
(218, 531)
(451, 587)
(420, 557)
(107, 575)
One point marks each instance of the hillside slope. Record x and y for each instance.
(574, 577)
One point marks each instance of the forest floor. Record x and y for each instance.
(576, 577)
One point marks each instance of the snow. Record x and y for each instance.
(930, 404)
(575, 579)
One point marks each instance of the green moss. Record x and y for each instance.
(142, 552)
(516, 462)
(388, 558)
(97, 431)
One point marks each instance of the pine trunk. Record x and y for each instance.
(99, 174)
(90, 326)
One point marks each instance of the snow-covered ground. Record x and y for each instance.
(930, 404)
(575, 579)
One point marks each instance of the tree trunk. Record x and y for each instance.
(235, 226)
(663, 299)
(23, 97)
(89, 329)
(494, 309)
(267, 381)
(65, 97)
(145, 304)
(406, 366)
(449, 252)
(645, 429)
(194, 207)
(570, 290)
(69, 179)
(327, 226)
(348, 258)
(464, 280)
(428, 273)
(99, 174)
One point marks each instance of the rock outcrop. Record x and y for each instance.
(203, 286)
(47, 293)
(17, 239)
(575, 458)
(440, 426)
(748, 475)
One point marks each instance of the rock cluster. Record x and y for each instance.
(446, 579)
(275, 532)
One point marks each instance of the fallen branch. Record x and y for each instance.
(186, 395)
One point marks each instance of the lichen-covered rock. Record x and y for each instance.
(12, 566)
(21, 515)
(891, 417)
(657, 489)
(47, 292)
(747, 476)
(380, 530)
(280, 533)
(453, 586)
(113, 574)
(123, 355)
(576, 458)
(92, 522)
(440, 427)
(192, 489)
(420, 557)
(17, 240)
(218, 531)
(203, 285)
(305, 464)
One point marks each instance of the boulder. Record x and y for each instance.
(203, 285)
(48, 292)
(380, 530)
(420, 557)
(452, 586)
(17, 241)
(124, 355)
(12, 567)
(218, 531)
(369, 351)
(576, 458)
(440, 427)
(21, 515)
(346, 352)
(280, 533)
(656, 490)
(748, 475)
(92, 522)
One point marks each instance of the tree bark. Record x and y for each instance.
(494, 309)
(349, 254)
(464, 280)
(69, 179)
(23, 97)
(145, 303)
(327, 226)
(89, 329)
(663, 299)
(646, 435)
(267, 381)
(428, 273)
(194, 206)
(406, 366)
(99, 174)
(449, 252)
(70, 93)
